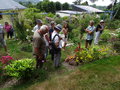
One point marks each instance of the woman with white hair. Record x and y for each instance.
(39, 45)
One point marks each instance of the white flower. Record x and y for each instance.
(27, 30)
(27, 37)
(32, 30)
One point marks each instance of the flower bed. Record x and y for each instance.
(82, 56)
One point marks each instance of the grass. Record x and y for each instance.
(103, 74)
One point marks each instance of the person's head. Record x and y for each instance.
(52, 24)
(44, 29)
(65, 24)
(102, 22)
(39, 22)
(6, 23)
(91, 23)
(58, 28)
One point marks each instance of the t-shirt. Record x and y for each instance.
(56, 39)
(7, 28)
(39, 42)
(90, 36)
(99, 27)
(46, 41)
(36, 28)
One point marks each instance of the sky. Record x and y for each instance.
(98, 3)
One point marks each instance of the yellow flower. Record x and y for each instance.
(81, 58)
(77, 60)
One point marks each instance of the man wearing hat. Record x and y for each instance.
(56, 39)
(39, 24)
(99, 30)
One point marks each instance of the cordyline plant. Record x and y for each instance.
(6, 59)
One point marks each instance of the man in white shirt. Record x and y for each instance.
(57, 48)
(38, 26)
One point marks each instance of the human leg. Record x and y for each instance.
(86, 44)
(96, 40)
(57, 58)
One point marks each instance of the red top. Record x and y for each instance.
(7, 28)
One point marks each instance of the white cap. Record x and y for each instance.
(101, 21)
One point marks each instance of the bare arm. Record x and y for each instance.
(90, 32)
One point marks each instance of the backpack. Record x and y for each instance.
(53, 46)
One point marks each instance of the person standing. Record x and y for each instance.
(39, 24)
(65, 32)
(57, 45)
(9, 30)
(90, 34)
(39, 45)
(47, 40)
(99, 30)
(2, 40)
(52, 25)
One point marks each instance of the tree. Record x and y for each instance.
(85, 3)
(58, 6)
(116, 9)
(39, 6)
(51, 7)
(65, 6)
(77, 2)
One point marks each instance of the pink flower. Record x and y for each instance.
(6, 59)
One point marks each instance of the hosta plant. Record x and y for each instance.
(20, 68)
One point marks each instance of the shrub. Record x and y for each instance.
(112, 24)
(105, 35)
(87, 55)
(23, 68)
(20, 28)
(116, 46)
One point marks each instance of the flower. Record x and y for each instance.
(6, 59)
(32, 30)
(27, 30)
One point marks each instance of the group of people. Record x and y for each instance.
(90, 33)
(47, 38)
(9, 31)
(51, 39)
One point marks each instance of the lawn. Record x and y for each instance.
(103, 74)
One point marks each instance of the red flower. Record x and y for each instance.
(6, 59)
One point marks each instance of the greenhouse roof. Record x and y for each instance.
(88, 9)
(10, 5)
(70, 12)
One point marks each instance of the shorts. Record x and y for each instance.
(3, 42)
(89, 41)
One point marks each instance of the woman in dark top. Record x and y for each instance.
(99, 30)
